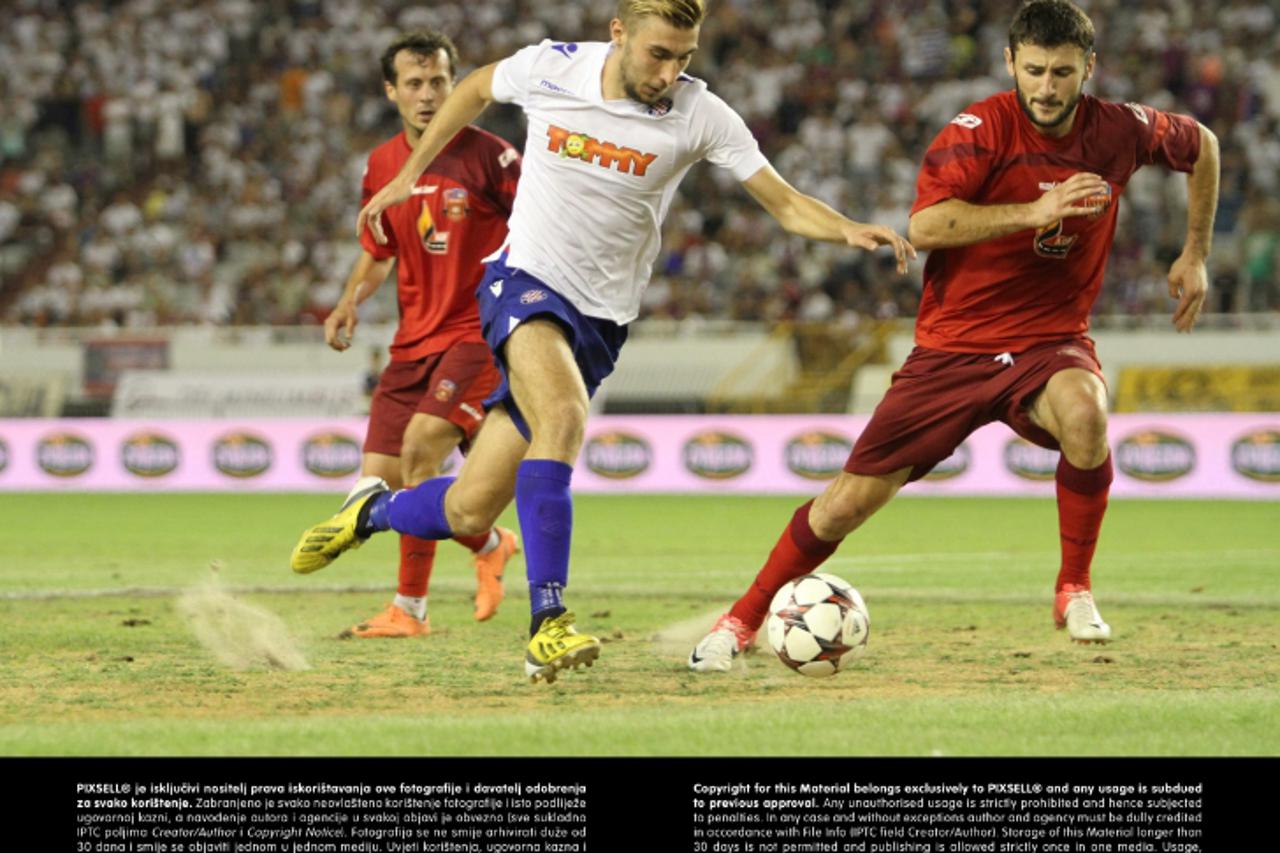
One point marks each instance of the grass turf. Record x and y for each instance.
(99, 660)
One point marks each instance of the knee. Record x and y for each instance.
(561, 423)
(1084, 429)
(418, 464)
(425, 446)
(844, 507)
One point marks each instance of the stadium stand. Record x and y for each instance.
(197, 162)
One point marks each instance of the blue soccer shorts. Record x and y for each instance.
(509, 297)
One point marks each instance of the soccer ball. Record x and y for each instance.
(818, 624)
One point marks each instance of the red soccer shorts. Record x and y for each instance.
(938, 399)
(451, 385)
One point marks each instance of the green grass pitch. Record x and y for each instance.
(99, 659)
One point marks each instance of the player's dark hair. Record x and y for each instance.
(423, 43)
(1051, 23)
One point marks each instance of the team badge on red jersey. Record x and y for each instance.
(455, 204)
(445, 390)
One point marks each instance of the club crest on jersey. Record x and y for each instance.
(660, 107)
(531, 296)
(445, 390)
(606, 155)
(455, 204)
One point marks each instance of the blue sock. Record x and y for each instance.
(545, 508)
(418, 511)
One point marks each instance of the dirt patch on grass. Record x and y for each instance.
(241, 636)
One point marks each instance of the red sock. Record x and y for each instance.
(799, 551)
(474, 543)
(1082, 501)
(417, 556)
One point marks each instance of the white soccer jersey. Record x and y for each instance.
(598, 176)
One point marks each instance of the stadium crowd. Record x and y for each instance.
(198, 161)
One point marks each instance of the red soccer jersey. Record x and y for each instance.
(1007, 294)
(456, 216)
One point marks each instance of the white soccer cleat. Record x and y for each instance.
(1074, 609)
(715, 653)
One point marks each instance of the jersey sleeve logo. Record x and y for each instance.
(967, 120)
(1138, 111)
(565, 49)
(606, 155)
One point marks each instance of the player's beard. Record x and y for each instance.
(1056, 121)
(631, 87)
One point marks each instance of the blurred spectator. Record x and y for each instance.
(193, 161)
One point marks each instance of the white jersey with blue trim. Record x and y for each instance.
(599, 175)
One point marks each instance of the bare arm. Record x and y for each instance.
(1188, 279)
(366, 277)
(808, 217)
(953, 222)
(461, 108)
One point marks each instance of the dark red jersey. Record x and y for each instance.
(1010, 293)
(456, 216)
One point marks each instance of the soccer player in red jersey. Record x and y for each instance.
(430, 397)
(1016, 203)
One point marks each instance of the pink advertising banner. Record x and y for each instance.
(1194, 455)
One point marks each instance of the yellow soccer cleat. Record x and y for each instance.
(557, 645)
(489, 568)
(320, 545)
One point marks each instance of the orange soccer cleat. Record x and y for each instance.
(489, 568)
(392, 622)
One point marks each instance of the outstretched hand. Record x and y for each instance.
(1189, 284)
(371, 214)
(871, 237)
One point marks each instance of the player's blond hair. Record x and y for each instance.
(684, 14)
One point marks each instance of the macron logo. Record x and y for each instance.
(565, 49)
(496, 288)
(967, 120)
(547, 84)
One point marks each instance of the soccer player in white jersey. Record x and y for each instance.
(612, 128)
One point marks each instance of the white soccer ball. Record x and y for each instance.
(818, 624)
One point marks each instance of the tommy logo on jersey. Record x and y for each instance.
(606, 155)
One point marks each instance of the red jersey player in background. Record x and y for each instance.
(1016, 201)
(430, 397)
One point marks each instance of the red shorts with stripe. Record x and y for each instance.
(938, 399)
(451, 385)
